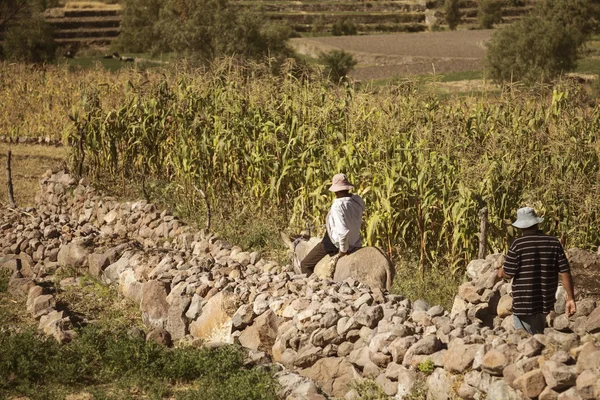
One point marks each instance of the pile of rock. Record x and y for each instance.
(192, 286)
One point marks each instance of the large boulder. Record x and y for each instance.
(153, 304)
(214, 323)
(74, 254)
(333, 374)
(368, 265)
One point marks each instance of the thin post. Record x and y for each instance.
(206, 202)
(11, 194)
(483, 233)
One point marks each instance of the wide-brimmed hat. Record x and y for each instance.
(340, 182)
(526, 218)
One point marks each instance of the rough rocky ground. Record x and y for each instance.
(193, 287)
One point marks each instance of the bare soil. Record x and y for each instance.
(386, 56)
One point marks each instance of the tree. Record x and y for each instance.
(452, 12)
(13, 10)
(532, 50)
(338, 64)
(199, 30)
(583, 16)
(30, 40)
(138, 33)
(489, 13)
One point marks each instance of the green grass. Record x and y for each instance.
(588, 66)
(91, 61)
(437, 287)
(109, 364)
(4, 278)
(460, 76)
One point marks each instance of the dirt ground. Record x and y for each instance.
(386, 56)
(28, 164)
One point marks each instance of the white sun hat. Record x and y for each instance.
(340, 182)
(526, 218)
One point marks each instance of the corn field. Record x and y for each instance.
(424, 164)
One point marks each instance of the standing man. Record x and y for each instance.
(534, 261)
(343, 225)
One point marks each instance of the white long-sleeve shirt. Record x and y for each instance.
(344, 220)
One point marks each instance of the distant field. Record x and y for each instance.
(384, 56)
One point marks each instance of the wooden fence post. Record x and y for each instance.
(11, 195)
(483, 233)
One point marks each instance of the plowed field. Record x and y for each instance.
(385, 56)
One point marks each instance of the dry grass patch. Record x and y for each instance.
(29, 162)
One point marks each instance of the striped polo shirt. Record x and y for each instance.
(534, 261)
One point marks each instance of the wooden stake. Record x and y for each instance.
(483, 234)
(11, 195)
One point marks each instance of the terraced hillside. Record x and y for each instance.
(84, 27)
(99, 26)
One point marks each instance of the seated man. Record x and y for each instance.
(343, 225)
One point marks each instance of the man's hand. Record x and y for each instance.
(570, 307)
(501, 274)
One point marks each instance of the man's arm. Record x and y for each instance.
(567, 281)
(511, 264)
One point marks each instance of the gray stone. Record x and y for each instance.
(559, 376)
(439, 385)
(369, 316)
(153, 304)
(459, 356)
(500, 390)
(592, 325)
(73, 254)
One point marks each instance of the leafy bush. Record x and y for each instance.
(338, 64)
(343, 27)
(30, 40)
(490, 13)
(532, 50)
(452, 13)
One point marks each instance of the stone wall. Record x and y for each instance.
(193, 286)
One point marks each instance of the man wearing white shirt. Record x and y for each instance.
(343, 225)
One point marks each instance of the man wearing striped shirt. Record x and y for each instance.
(534, 261)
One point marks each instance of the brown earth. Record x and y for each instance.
(385, 56)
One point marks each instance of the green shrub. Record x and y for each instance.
(343, 28)
(532, 50)
(490, 13)
(369, 390)
(30, 40)
(426, 366)
(338, 64)
(452, 13)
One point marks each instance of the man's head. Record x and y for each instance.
(340, 185)
(527, 219)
